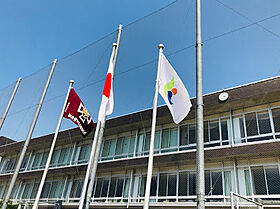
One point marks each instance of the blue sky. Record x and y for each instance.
(236, 51)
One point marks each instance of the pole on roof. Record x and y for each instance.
(35, 205)
(31, 129)
(200, 187)
(9, 103)
(154, 119)
(96, 144)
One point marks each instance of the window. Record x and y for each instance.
(256, 123)
(46, 190)
(76, 189)
(112, 188)
(2, 190)
(167, 184)
(119, 189)
(183, 184)
(56, 189)
(213, 183)
(169, 139)
(273, 180)
(247, 183)
(104, 187)
(225, 132)
(125, 147)
(27, 191)
(276, 119)
(65, 156)
(34, 191)
(259, 181)
(84, 153)
(108, 151)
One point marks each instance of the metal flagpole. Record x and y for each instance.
(151, 154)
(200, 187)
(35, 206)
(9, 103)
(101, 131)
(22, 154)
(92, 164)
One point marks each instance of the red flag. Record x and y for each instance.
(75, 110)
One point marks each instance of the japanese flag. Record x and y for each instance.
(107, 103)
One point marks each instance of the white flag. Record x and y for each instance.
(107, 103)
(173, 91)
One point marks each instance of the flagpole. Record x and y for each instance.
(151, 154)
(35, 206)
(9, 103)
(200, 187)
(101, 131)
(92, 164)
(22, 154)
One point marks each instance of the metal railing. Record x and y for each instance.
(236, 205)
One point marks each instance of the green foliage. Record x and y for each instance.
(10, 205)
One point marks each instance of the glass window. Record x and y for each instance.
(162, 184)
(153, 191)
(55, 157)
(276, 119)
(131, 145)
(206, 132)
(192, 139)
(106, 147)
(157, 140)
(251, 124)
(119, 146)
(183, 135)
(2, 190)
(76, 189)
(84, 153)
(224, 127)
(119, 187)
(207, 183)
(44, 159)
(56, 189)
(112, 187)
(228, 185)
(14, 191)
(214, 130)
(105, 188)
(247, 182)
(112, 147)
(98, 187)
(126, 187)
(165, 138)
(264, 123)
(217, 187)
(259, 181)
(125, 146)
(34, 191)
(173, 137)
(192, 184)
(147, 141)
(24, 163)
(172, 185)
(143, 186)
(26, 192)
(46, 190)
(140, 143)
(64, 156)
(273, 180)
(183, 184)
